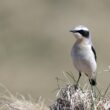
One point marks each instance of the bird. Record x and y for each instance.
(83, 54)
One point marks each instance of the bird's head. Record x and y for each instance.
(80, 32)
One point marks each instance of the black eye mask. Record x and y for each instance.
(84, 33)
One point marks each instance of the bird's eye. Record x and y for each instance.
(84, 33)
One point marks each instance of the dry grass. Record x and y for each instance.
(68, 98)
(18, 102)
(82, 98)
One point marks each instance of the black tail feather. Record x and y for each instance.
(92, 82)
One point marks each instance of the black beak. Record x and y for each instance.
(72, 31)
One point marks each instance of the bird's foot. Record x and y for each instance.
(76, 86)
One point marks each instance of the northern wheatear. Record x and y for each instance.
(83, 54)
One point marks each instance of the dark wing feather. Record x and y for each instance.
(94, 53)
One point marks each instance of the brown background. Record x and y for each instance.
(35, 42)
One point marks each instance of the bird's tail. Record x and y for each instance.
(92, 81)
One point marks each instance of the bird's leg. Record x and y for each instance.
(93, 95)
(78, 80)
(93, 91)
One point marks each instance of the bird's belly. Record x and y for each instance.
(84, 65)
(84, 61)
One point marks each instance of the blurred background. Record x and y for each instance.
(35, 42)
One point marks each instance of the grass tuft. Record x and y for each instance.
(82, 98)
(68, 97)
(18, 102)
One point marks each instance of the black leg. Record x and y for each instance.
(76, 86)
(78, 78)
